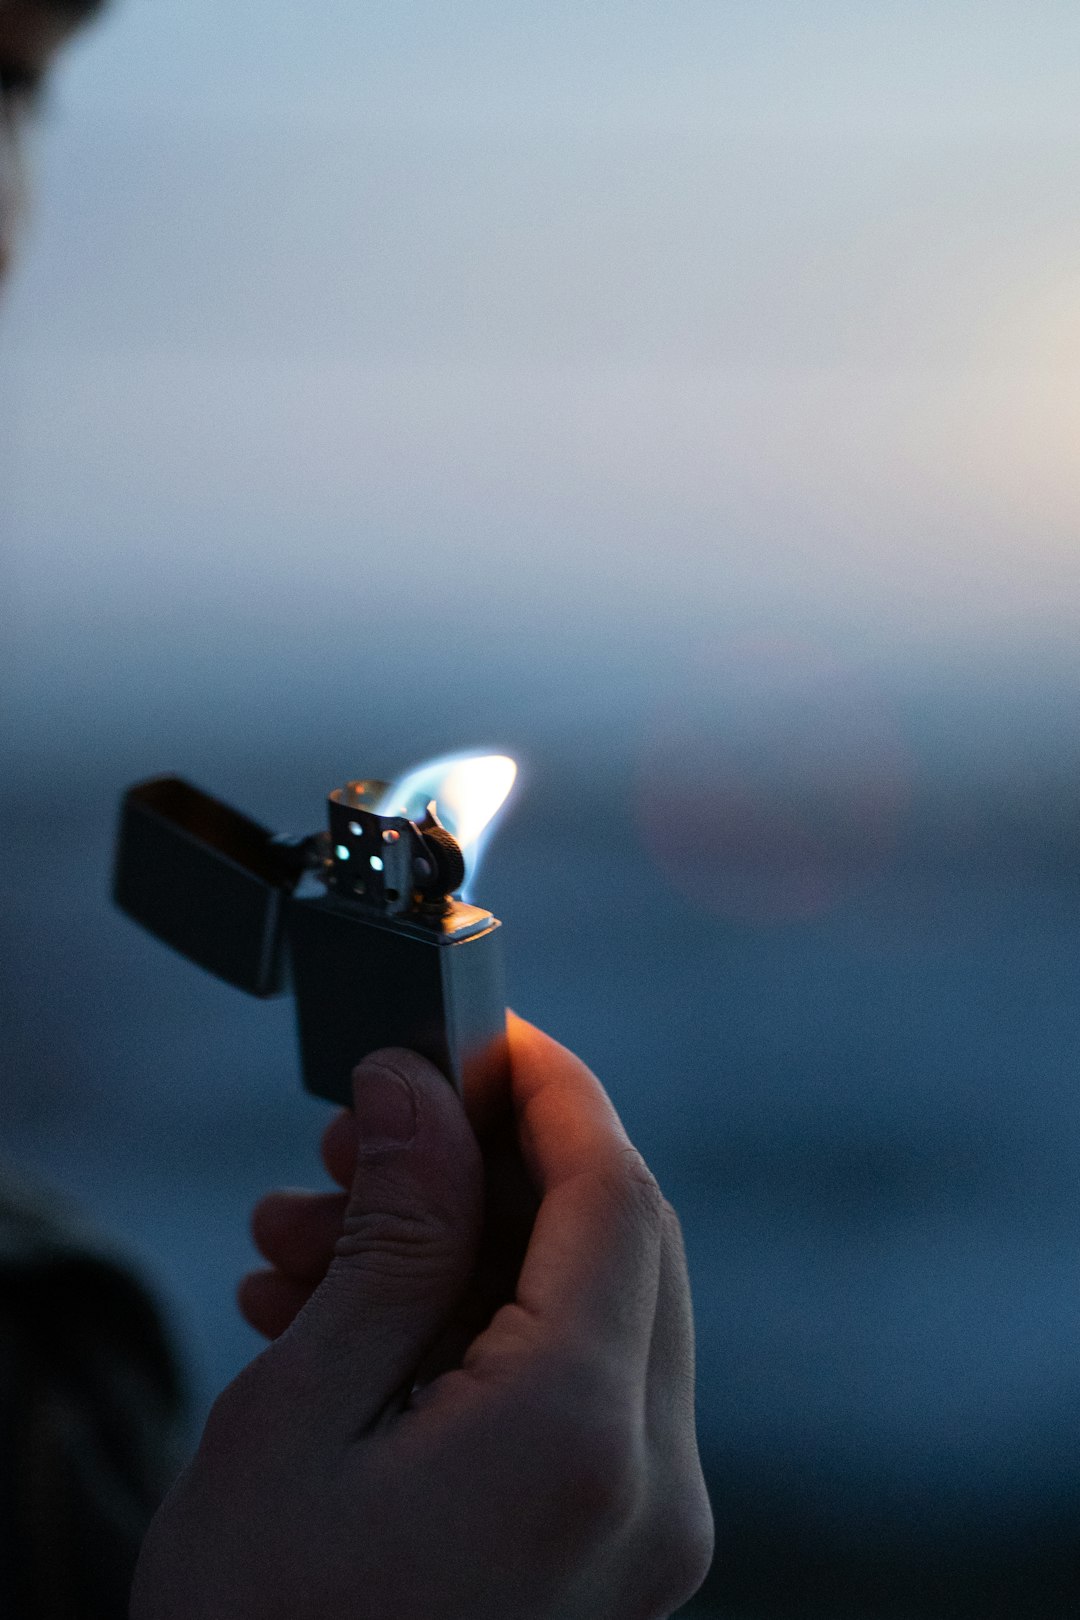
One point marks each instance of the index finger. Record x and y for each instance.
(590, 1275)
(339, 1144)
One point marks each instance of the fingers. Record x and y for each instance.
(269, 1301)
(591, 1272)
(670, 1402)
(682, 1540)
(296, 1231)
(566, 1121)
(339, 1148)
(408, 1245)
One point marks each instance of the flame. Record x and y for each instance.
(469, 790)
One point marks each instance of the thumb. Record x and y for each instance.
(409, 1242)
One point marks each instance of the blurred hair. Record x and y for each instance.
(75, 10)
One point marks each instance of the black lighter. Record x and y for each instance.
(359, 921)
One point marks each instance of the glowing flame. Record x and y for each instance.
(469, 790)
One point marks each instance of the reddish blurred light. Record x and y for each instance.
(773, 781)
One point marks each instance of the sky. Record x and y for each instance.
(564, 341)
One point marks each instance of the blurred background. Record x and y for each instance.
(684, 398)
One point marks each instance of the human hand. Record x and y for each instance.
(551, 1474)
(298, 1231)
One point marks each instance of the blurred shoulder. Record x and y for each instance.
(91, 1408)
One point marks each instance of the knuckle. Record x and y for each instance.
(672, 1224)
(388, 1242)
(604, 1481)
(600, 1454)
(675, 1246)
(680, 1551)
(690, 1550)
(634, 1185)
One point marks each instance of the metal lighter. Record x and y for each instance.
(360, 921)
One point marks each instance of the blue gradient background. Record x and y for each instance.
(405, 377)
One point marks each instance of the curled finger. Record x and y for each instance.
(268, 1301)
(296, 1231)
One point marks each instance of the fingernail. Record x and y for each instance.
(385, 1108)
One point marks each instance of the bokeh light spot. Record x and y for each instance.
(773, 780)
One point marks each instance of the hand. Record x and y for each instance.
(298, 1231)
(550, 1474)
